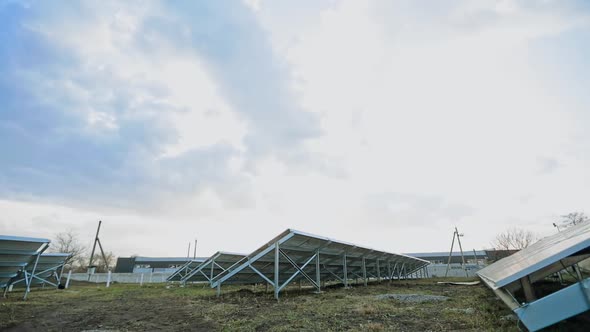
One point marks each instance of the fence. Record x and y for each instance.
(127, 278)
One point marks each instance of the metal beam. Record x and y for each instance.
(249, 261)
(556, 307)
(299, 270)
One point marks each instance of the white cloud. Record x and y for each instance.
(429, 117)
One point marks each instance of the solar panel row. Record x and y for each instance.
(297, 256)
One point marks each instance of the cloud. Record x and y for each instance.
(414, 209)
(239, 56)
(101, 120)
(547, 165)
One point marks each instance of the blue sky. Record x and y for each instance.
(379, 123)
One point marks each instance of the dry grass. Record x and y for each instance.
(196, 308)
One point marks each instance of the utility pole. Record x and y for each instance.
(104, 257)
(458, 236)
(195, 253)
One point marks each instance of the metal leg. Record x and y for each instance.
(212, 266)
(389, 271)
(378, 272)
(317, 272)
(344, 267)
(364, 272)
(32, 274)
(277, 265)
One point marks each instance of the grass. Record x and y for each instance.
(248, 308)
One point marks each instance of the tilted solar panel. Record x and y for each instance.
(16, 254)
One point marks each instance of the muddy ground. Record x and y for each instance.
(196, 308)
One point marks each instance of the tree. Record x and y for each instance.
(514, 239)
(99, 262)
(572, 219)
(68, 242)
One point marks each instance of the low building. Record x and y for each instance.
(471, 257)
(476, 257)
(141, 264)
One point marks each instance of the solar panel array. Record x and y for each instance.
(297, 256)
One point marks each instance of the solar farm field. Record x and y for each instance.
(407, 305)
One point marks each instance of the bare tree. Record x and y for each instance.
(99, 262)
(572, 219)
(514, 239)
(68, 242)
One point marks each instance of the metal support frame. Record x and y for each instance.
(555, 307)
(28, 277)
(104, 257)
(299, 269)
(260, 263)
(456, 235)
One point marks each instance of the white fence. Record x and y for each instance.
(127, 278)
(455, 270)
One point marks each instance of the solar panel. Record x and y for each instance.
(513, 278)
(16, 254)
(295, 255)
(213, 266)
(184, 270)
(540, 254)
(49, 270)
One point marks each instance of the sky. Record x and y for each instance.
(383, 123)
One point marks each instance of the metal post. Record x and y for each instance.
(212, 265)
(378, 272)
(94, 247)
(32, 274)
(317, 271)
(68, 279)
(140, 279)
(344, 267)
(219, 289)
(277, 257)
(109, 278)
(529, 293)
(195, 252)
(389, 271)
(364, 272)
(578, 272)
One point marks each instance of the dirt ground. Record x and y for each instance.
(248, 308)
